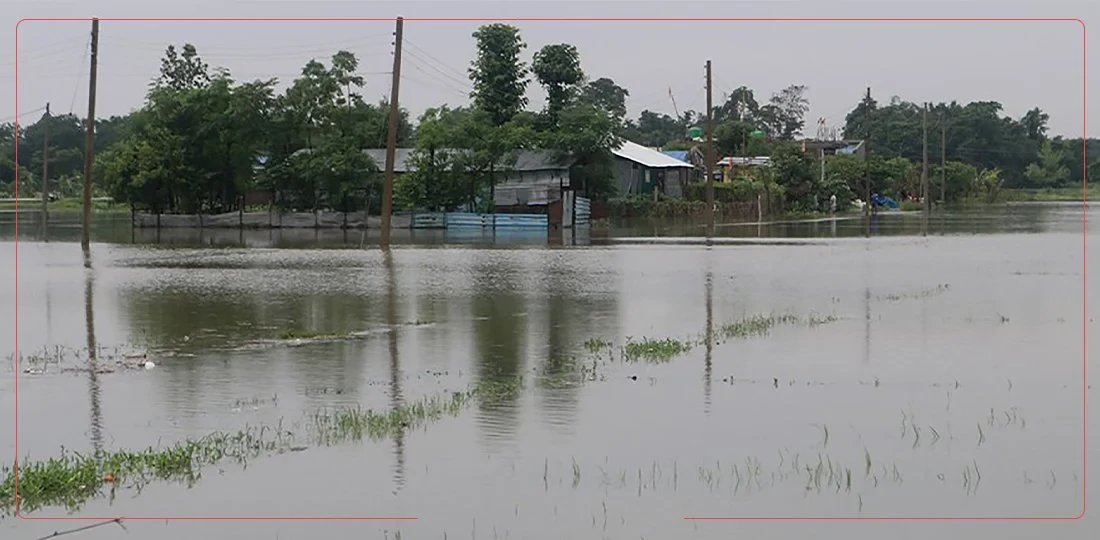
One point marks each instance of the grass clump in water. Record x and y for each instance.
(291, 334)
(658, 350)
(72, 478)
(595, 345)
(757, 325)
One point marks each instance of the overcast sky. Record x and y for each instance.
(1020, 64)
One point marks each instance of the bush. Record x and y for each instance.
(739, 190)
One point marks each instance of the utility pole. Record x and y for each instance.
(926, 203)
(45, 165)
(943, 160)
(868, 207)
(89, 141)
(822, 165)
(710, 155)
(391, 142)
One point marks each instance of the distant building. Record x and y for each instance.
(740, 167)
(640, 170)
(681, 155)
(536, 179)
(831, 148)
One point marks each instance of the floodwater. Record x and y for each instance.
(949, 385)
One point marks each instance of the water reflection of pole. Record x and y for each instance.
(867, 305)
(710, 342)
(396, 398)
(93, 361)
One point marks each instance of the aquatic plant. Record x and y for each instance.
(656, 350)
(595, 345)
(73, 478)
(293, 333)
(666, 349)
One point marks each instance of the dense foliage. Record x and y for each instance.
(205, 142)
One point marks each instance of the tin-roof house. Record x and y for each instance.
(537, 178)
(640, 170)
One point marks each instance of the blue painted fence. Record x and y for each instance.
(468, 220)
(582, 211)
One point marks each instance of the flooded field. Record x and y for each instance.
(508, 389)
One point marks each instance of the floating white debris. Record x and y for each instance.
(150, 365)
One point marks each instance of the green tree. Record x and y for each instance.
(498, 75)
(740, 104)
(960, 180)
(183, 71)
(731, 137)
(794, 172)
(1050, 170)
(436, 183)
(558, 69)
(1035, 123)
(656, 129)
(604, 94)
(585, 138)
(785, 113)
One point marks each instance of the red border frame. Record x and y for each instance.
(689, 19)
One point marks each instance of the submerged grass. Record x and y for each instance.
(73, 478)
(658, 350)
(666, 349)
(294, 333)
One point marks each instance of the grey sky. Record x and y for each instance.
(1020, 64)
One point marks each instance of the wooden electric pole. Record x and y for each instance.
(45, 165)
(943, 161)
(710, 155)
(925, 200)
(89, 141)
(391, 141)
(868, 207)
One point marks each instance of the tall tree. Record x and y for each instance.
(1035, 123)
(603, 93)
(558, 69)
(498, 75)
(740, 104)
(1049, 170)
(858, 121)
(786, 112)
(183, 70)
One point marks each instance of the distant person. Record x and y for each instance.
(832, 203)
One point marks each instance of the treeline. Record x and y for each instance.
(203, 140)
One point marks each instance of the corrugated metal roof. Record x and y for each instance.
(745, 161)
(681, 155)
(648, 158)
(400, 158)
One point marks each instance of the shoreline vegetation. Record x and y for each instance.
(206, 143)
(71, 479)
(618, 209)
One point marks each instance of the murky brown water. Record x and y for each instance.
(937, 333)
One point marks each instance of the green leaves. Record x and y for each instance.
(197, 144)
(499, 76)
(558, 69)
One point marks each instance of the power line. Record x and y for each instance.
(80, 74)
(405, 77)
(461, 75)
(21, 115)
(445, 82)
(461, 82)
(55, 48)
(262, 51)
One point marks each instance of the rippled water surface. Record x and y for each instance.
(920, 376)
